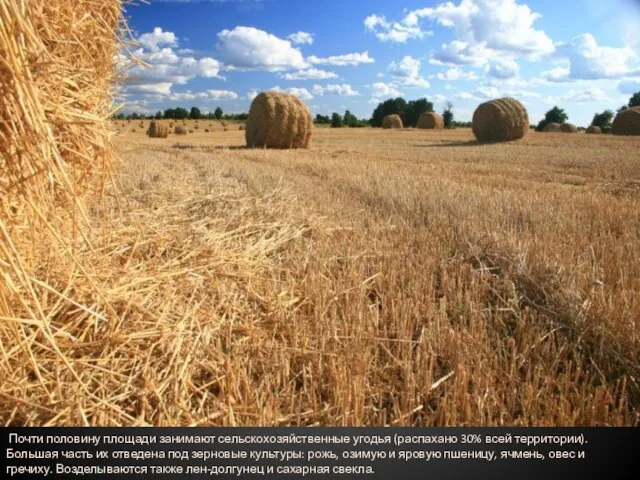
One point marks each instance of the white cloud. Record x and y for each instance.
(344, 90)
(163, 88)
(437, 98)
(203, 96)
(503, 68)
(301, 93)
(301, 38)
(342, 60)
(407, 72)
(398, 32)
(629, 86)
(253, 93)
(309, 74)
(157, 38)
(589, 95)
(589, 61)
(456, 73)
(484, 30)
(381, 91)
(556, 74)
(247, 48)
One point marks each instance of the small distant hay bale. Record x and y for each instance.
(627, 122)
(594, 130)
(190, 131)
(500, 120)
(157, 130)
(278, 120)
(206, 130)
(431, 120)
(241, 127)
(180, 130)
(392, 121)
(226, 129)
(552, 127)
(568, 128)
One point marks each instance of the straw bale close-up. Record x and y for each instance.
(627, 122)
(392, 121)
(278, 120)
(500, 120)
(431, 120)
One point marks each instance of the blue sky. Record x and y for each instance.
(581, 55)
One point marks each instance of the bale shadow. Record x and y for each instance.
(458, 143)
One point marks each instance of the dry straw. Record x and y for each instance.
(552, 127)
(278, 120)
(430, 120)
(392, 121)
(180, 130)
(594, 130)
(568, 128)
(627, 122)
(500, 120)
(158, 130)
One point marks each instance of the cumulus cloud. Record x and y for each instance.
(309, 74)
(484, 30)
(589, 61)
(381, 91)
(163, 88)
(342, 60)
(157, 38)
(456, 73)
(398, 32)
(407, 72)
(203, 96)
(588, 95)
(301, 93)
(301, 38)
(344, 90)
(253, 93)
(248, 48)
(503, 68)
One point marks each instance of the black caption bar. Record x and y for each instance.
(325, 453)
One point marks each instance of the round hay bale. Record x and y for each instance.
(241, 127)
(392, 121)
(627, 122)
(568, 128)
(500, 120)
(431, 120)
(157, 130)
(552, 127)
(180, 130)
(594, 130)
(278, 120)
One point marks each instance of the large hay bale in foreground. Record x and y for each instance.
(552, 127)
(500, 120)
(594, 130)
(392, 121)
(180, 130)
(430, 120)
(568, 128)
(158, 130)
(278, 120)
(627, 122)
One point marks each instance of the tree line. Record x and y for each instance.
(180, 113)
(603, 119)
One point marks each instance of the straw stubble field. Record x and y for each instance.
(380, 277)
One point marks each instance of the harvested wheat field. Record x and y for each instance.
(463, 284)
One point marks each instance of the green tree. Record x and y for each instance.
(218, 113)
(603, 120)
(158, 115)
(195, 113)
(336, 120)
(447, 115)
(322, 119)
(350, 120)
(634, 101)
(388, 107)
(555, 115)
(414, 109)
